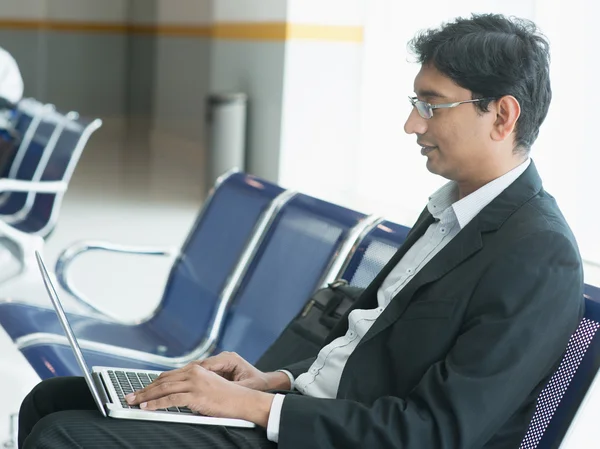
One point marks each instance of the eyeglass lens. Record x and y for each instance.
(423, 109)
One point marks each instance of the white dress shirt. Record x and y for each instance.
(451, 215)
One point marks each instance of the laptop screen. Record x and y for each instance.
(62, 317)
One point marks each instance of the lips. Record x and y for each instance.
(426, 149)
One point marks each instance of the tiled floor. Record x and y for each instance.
(111, 197)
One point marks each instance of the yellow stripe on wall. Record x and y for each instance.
(171, 30)
(250, 31)
(325, 32)
(255, 31)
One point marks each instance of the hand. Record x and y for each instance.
(204, 392)
(233, 367)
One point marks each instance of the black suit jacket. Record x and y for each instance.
(458, 357)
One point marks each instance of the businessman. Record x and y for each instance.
(451, 343)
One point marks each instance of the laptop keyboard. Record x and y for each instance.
(126, 382)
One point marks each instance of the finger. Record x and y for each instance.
(217, 362)
(224, 364)
(154, 391)
(178, 376)
(221, 369)
(171, 400)
(165, 374)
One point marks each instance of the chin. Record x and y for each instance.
(436, 169)
(431, 166)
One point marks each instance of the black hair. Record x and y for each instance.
(492, 56)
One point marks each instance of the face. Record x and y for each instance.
(456, 141)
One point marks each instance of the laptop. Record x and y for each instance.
(110, 385)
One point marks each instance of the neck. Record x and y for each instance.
(466, 187)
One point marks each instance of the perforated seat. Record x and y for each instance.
(559, 400)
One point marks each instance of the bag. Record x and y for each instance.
(304, 335)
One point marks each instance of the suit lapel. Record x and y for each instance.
(368, 299)
(464, 245)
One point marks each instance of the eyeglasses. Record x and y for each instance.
(425, 109)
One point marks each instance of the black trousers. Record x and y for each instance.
(61, 413)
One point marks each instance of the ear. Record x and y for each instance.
(507, 111)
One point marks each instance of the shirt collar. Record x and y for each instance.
(442, 199)
(467, 208)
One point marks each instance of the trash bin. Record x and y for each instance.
(226, 126)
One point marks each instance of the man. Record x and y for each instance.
(451, 343)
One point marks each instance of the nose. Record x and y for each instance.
(415, 124)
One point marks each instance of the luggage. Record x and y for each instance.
(304, 335)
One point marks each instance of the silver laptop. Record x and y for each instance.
(110, 385)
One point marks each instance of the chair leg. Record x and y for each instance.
(13, 436)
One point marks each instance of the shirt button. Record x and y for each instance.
(409, 271)
(443, 230)
(313, 370)
(351, 334)
(380, 310)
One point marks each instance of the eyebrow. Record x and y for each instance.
(429, 93)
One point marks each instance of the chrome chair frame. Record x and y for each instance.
(25, 243)
(207, 346)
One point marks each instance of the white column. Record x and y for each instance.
(321, 99)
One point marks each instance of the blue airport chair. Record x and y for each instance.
(297, 257)
(374, 251)
(289, 257)
(195, 284)
(35, 123)
(60, 154)
(34, 200)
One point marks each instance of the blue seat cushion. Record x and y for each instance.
(22, 319)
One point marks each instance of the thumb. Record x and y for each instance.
(213, 366)
(217, 367)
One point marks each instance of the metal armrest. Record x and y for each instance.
(68, 256)
(43, 339)
(16, 185)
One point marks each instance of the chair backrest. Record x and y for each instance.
(373, 252)
(28, 116)
(42, 209)
(214, 245)
(559, 400)
(291, 263)
(27, 163)
(28, 112)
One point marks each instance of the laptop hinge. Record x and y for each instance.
(101, 387)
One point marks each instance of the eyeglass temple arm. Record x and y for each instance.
(453, 105)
